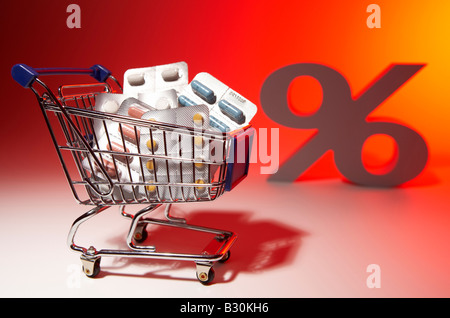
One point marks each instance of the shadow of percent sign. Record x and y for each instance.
(342, 124)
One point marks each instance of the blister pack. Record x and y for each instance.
(130, 107)
(228, 109)
(183, 146)
(155, 78)
(117, 168)
(160, 100)
(133, 107)
(119, 104)
(109, 102)
(179, 142)
(178, 156)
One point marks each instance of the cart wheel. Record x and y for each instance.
(206, 277)
(141, 234)
(225, 257)
(94, 270)
(140, 237)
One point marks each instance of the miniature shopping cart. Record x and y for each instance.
(71, 118)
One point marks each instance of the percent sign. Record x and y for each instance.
(342, 125)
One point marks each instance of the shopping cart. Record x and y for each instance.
(94, 176)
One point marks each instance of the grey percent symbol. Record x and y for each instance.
(342, 124)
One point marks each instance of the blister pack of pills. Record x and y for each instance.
(109, 102)
(171, 151)
(179, 142)
(228, 109)
(118, 171)
(173, 157)
(181, 145)
(155, 78)
(160, 100)
(119, 104)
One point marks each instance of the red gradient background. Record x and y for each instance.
(241, 43)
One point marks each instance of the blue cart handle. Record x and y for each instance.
(26, 75)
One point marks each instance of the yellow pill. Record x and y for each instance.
(150, 165)
(151, 145)
(151, 188)
(198, 141)
(200, 181)
(198, 119)
(199, 164)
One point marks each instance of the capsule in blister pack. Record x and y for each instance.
(195, 146)
(156, 78)
(113, 143)
(120, 131)
(108, 103)
(128, 106)
(118, 171)
(91, 166)
(133, 107)
(158, 142)
(228, 109)
(160, 100)
(178, 141)
(198, 173)
(159, 175)
(171, 180)
(180, 145)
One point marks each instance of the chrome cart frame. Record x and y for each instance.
(71, 118)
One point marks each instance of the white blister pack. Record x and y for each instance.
(109, 102)
(133, 107)
(183, 146)
(179, 142)
(160, 100)
(119, 104)
(167, 162)
(155, 78)
(228, 109)
(118, 169)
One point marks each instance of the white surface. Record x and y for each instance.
(308, 239)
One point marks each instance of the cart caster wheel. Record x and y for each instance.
(206, 277)
(141, 234)
(91, 268)
(225, 257)
(140, 237)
